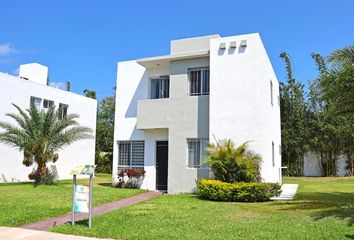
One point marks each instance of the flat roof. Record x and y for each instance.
(154, 62)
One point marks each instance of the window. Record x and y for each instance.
(47, 103)
(273, 162)
(196, 151)
(160, 87)
(63, 110)
(198, 81)
(36, 102)
(271, 93)
(131, 154)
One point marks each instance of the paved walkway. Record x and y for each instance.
(27, 234)
(288, 192)
(98, 210)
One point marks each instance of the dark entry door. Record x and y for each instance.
(161, 165)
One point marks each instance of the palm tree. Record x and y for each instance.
(338, 82)
(41, 134)
(233, 164)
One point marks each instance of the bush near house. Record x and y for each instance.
(237, 192)
(130, 178)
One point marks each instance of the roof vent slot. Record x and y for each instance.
(243, 43)
(233, 44)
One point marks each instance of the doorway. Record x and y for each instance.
(161, 165)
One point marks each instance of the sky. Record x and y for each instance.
(82, 41)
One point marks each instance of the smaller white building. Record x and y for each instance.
(31, 87)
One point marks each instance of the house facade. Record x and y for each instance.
(30, 87)
(168, 108)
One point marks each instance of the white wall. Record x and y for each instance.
(312, 167)
(240, 101)
(18, 91)
(34, 72)
(132, 85)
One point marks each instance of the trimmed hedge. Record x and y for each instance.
(237, 192)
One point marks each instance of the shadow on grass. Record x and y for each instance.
(105, 184)
(335, 204)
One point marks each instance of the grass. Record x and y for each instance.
(323, 209)
(22, 203)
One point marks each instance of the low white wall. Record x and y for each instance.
(312, 166)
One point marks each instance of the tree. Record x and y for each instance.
(338, 82)
(233, 164)
(68, 86)
(105, 131)
(41, 134)
(330, 135)
(293, 121)
(90, 93)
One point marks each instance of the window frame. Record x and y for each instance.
(130, 165)
(33, 102)
(202, 153)
(273, 154)
(61, 116)
(271, 92)
(50, 103)
(160, 79)
(202, 83)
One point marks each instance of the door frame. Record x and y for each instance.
(155, 157)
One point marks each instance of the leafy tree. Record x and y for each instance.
(330, 135)
(105, 132)
(90, 93)
(293, 121)
(233, 164)
(41, 134)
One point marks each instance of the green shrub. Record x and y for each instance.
(237, 192)
(233, 164)
(47, 177)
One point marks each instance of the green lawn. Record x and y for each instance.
(22, 203)
(323, 210)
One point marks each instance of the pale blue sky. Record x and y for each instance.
(81, 41)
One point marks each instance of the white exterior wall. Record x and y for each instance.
(240, 102)
(240, 107)
(34, 72)
(132, 85)
(19, 91)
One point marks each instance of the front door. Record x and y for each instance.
(161, 165)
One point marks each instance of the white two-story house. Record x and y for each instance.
(31, 87)
(168, 108)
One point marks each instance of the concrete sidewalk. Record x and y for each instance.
(288, 192)
(98, 210)
(27, 234)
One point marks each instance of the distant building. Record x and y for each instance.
(168, 108)
(31, 87)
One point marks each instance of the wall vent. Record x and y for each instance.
(243, 43)
(233, 44)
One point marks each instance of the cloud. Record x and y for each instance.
(7, 49)
(60, 85)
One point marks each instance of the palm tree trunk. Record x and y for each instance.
(42, 168)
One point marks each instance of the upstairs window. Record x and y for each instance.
(131, 154)
(198, 81)
(48, 103)
(196, 151)
(63, 110)
(271, 93)
(36, 102)
(273, 160)
(160, 87)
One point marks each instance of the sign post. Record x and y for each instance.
(82, 195)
